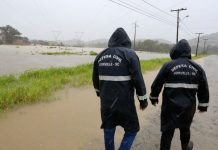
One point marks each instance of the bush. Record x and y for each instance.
(93, 53)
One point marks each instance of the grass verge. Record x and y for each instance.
(35, 85)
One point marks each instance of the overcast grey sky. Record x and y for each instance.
(94, 19)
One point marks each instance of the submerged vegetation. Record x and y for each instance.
(36, 85)
(60, 53)
(93, 53)
(68, 53)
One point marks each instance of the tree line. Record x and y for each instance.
(10, 35)
(142, 45)
(152, 46)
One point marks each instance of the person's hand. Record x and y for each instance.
(154, 101)
(143, 104)
(202, 109)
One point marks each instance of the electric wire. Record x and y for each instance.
(158, 9)
(141, 12)
(149, 13)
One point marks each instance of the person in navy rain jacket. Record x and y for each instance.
(116, 75)
(182, 80)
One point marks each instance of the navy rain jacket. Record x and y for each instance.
(182, 80)
(116, 74)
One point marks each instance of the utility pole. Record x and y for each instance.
(78, 36)
(56, 34)
(177, 31)
(207, 48)
(205, 40)
(198, 43)
(134, 42)
(79, 43)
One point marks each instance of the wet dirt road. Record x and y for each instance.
(204, 130)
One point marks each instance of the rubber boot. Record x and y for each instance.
(188, 146)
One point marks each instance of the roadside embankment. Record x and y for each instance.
(36, 85)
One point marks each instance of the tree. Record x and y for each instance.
(152, 46)
(10, 34)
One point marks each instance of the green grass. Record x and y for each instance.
(52, 47)
(34, 85)
(93, 53)
(148, 65)
(37, 85)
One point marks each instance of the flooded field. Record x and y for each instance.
(17, 59)
(67, 122)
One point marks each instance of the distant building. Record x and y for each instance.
(17, 40)
(21, 41)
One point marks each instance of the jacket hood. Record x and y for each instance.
(181, 49)
(119, 39)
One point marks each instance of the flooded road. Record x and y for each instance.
(17, 59)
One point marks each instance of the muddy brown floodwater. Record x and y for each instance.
(71, 121)
(17, 59)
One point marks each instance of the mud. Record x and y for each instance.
(71, 121)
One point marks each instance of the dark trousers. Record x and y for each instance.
(167, 137)
(126, 143)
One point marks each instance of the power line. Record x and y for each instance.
(136, 4)
(154, 15)
(187, 28)
(56, 34)
(163, 19)
(140, 12)
(158, 9)
(187, 32)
